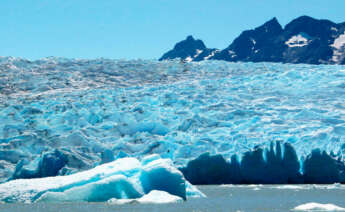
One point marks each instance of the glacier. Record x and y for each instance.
(151, 180)
(60, 116)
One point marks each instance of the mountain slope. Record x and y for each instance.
(190, 50)
(303, 40)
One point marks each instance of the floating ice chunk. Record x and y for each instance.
(159, 197)
(312, 206)
(294, 187)
(117, 186)
(125, 178)
(154, 197)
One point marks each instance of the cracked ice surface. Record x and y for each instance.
(94, 109)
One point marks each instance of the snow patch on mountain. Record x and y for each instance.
(211, 55)
(339, 48)
(339, 42)
(198, 52)
(299, 40)
(189, 59)
(334, 29)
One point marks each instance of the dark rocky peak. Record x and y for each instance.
(189, 49)
(342, 24)
(190, 43)
(253, 44)
(322, 29)
(272, 27)
(264, 32)
(309, 40)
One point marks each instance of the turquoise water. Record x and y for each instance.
(219, 198)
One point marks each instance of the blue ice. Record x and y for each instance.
(125, 178)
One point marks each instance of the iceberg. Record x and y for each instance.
(125, 178)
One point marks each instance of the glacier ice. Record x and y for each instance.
(125, 178)
(319, 167)
(266, 166)
(208, 169)
(97, 111)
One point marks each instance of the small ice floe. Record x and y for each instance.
(312, 206)
(310, 186)
(154, 197)
(294, 187)
(251, 186)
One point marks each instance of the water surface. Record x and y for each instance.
(219, 198)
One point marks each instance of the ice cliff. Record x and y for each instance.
(273, 165)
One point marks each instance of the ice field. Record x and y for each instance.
(72, 114)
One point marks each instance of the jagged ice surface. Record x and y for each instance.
(75, 114)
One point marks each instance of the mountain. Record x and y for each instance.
(303, 40)
(190, 50)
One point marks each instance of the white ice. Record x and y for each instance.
(154, 197)
(312, 206)
(198, 52)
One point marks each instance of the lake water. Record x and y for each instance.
(219, 198)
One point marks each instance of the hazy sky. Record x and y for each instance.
(139, 28)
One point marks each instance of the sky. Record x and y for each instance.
(139, 29)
